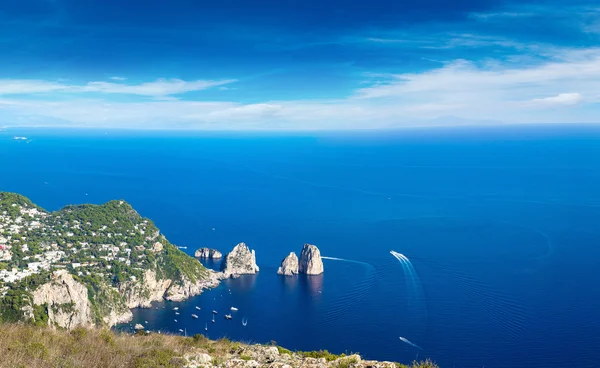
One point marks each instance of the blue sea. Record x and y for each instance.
(500, 224)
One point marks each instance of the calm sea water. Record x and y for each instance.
(501, 226)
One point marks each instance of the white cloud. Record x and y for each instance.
(23, 86)
(455, 93)
(502, 15)
(388, 40)
(558, 100)
(498, 90)
(158, 88)
(118, 78)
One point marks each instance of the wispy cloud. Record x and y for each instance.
(559, 100)
(158, 88)
(502, 15)
(388, 40)
(118, 78)
(463, 79)
(456, 92)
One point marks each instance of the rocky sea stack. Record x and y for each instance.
(240, 261)
(289, 265)
(208, 253)
(310, 260)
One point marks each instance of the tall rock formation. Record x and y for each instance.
(310, 260)
(240, 261)
(289, 265)
(66, 301)
(208, 253)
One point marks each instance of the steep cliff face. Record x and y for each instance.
(142, 294)
(289, 265)
(310, 260)
(151, 289)
(116, 316)
(185, 288)
(240, 261)
(67, 301)
(208, 253)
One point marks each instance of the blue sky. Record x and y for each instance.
(297, 65)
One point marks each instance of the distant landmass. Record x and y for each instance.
(88, 265)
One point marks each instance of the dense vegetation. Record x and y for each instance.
(106, 247)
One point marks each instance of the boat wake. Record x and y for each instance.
(355, 295)
(349, 261)
(405, 340)
(414, 289)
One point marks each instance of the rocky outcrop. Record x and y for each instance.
(67, 301)
(208, 253)
(141, 293)
(150, 289)
(289, 265)
(240, 261)
(157, 247)
(68, 306)
(310, 260)
(116, 316)
(255, 356)
(185, 288)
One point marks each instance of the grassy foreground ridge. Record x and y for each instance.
(24, 345)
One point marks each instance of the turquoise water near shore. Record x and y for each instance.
(500, 224)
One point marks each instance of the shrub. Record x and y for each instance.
(107, 337)
(79, 333)
(321, 354)
(37, 350)
(283, 350)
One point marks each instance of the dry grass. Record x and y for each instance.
(23, 345)
(29, 346)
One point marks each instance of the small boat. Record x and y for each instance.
(146, 322)
(244, 321)
(175, 320)
(176, 308)
(214, 311)
(176, 313)
(213, 320)
(180, 330)
(206, 327)
(228, 316)
(197, 307)
(234, 309)
(194, 316)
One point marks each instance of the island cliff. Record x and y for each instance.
(88, 265)
(310, 260)
(240, 261)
